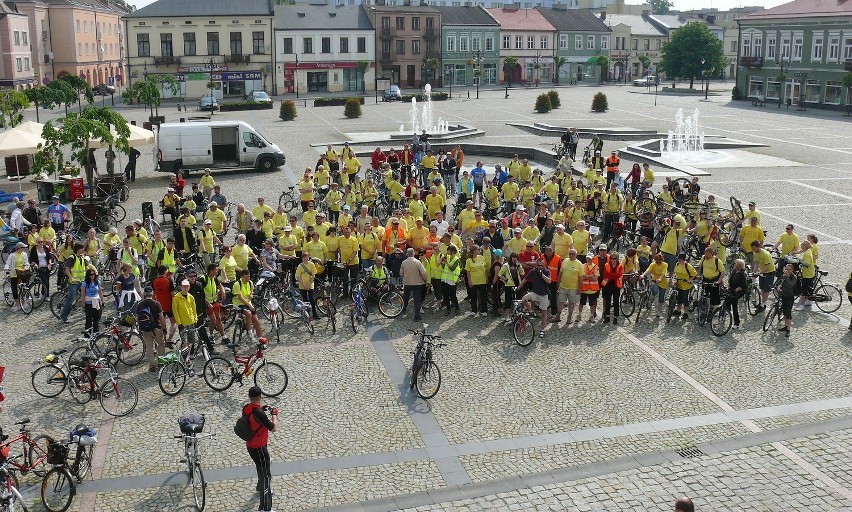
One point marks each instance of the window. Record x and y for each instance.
(770, 48)
(833, 91)
(19, 64)
(604, 42)
(590, 42)
(17, 37)
(287, 44)
(489, 44)
(755, 87)
(258, 47)
(85, 27)
(519, 42)
(507, 42)
(798, 42)
(236, 43)
(143, 46)
(773, 89)
(451, 44)
(430, 47)
(833, 49)
(307, 45)
(415, 23)
(362, 45)
(165, 45)
(646, 44)
(847, 48)
(635, 44)
(812, 92)
(24, 40)
(212, 43)
(563, 41)
(475, 44)
(757, 45)
(344, 45)
(464, 44)
(578, 42)
(544, 42)
(26, 63)
(80, 50)
(386, 23)
(415, 47)
(430, 22)
(816, 54)
(400, 23)
(746, 52)
(400, 47)
(325, 45)
(785, 48)
(659, 44)
(733, 45)
(530, 42)
(189, 43)
(78, 26)
(86, 46)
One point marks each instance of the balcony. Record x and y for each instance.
(430, 33)
(166, 61)
(385, 57)
(432, 55)
(238, 59)
(847, 65)
(387, 32)
(752, 62)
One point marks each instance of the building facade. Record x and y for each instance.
(469, 47)
(797, 53)
(726, 21)
(228, 44)
(526, 35)
(581, 38)
(634, 35)
(407, 36)
(16, 66)
(319, 47)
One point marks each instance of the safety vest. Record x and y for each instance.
(589, 279)
(78, 270)
(156, 247)
(392, 239)
(245, 290)
(553, 265)
(127, 257)
(450, 275)
(612, 165)
(379, 273)
(169, 260)
(211, 289)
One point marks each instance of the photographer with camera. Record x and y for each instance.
(261, 425)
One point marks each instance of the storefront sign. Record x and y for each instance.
(322, 65)
(201, 69)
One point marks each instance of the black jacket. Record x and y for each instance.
(179, 235)
(737, 280)
(497, 241)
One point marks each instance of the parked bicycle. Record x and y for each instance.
(51, 378)
(33, 449)
(358, 308)
(425, 374)
(10, 495)
(118, 396)
(191, 427)
(180, 362)
(270, 377)
(59, 485)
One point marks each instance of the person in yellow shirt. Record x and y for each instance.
(315, 248)
(261, 207)
(511, 192)
(370, 193)
(516, 244)
(492, 196)
(207, 242)
(207, 183)
(476, 224)
(309, 218)
(370, 246)
(321, 176)
(477, 276)
(288, 243)
(216, 217)
(669, 245)
(111, 239)
(514, 168)
(345, 218)
(417, 208)
(703, 229)
(395, 189)
(306, 189)
(527, 195)
(243, 293)
(434, 202)
(47, 233)
(658, 272)
(228, 266)
(466, 216)
(551, 188)
(666, 196)
(418, 235)
(787, 242)
(331, 244)
(808, 275)
(763, 263)
(322, 225)
(647, 176)
(712, 271)
(752, 212)
(334, 200)
(348, 246)
(751, 233)
(684, 273)
(582, 238)
(306, 273)
(562, 242)
(570, 272)
(531, 232)
(525, 172)
(350, 197)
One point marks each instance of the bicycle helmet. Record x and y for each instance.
(498, 253)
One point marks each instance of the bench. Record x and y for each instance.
(758, 102)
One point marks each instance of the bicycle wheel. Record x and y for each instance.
(13, 504)
(7, 293)
(37, 454)
(720, 322)
(103, 222)
(199, 486)
(308, 321)
(172, 378)
(84, 461)
(672, 306)
(132, 352)
(271, 378)
(119, 397)
(737, 208)
(703, 311)
(331, 314)
(26, 299)
(218, 373)
(228, 316)
(104, 342)
(627, 303)
(827, 298)
(49, 380)
(428, 380)
(79, 385)
(390, 304)
(119, 212)
(523, 331)
(729, 233)
(771, 314)
(753, 299)
(57, 490)
(57, 300)
(107, 278)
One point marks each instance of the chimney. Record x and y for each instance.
(603, 15)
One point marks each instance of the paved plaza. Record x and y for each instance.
(591, 417)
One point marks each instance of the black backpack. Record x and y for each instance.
(243, 428)
(145, 316)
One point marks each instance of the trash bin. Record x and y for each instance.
(77, 188)
(147, 210)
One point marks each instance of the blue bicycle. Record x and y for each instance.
(303, 311)
(358, 308)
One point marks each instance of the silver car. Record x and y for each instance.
(260, 97)
(208, 102)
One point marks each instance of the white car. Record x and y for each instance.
(260, 97)
(645, 81)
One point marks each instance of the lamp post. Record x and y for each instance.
(782, 63)
(145, 77)
(449, 74)
(477, 73)
(296, 75)
(537, 68)
(625, 64)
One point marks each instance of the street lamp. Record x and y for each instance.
(537, 68)
(625, 59)
(477, 73)
(296, 75)
(782, 63)
(450, 71)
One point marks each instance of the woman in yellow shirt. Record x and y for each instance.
(631, 261)
(228, 266)
(658, 270)
(684, 273)
(476, 270)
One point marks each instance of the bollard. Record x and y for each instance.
(468, 94)
(182, 120)
(507, 92)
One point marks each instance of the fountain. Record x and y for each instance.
(686, 138)
(423, 118)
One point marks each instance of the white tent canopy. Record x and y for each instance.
(138, 137)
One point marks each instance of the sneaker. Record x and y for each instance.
(787, 333)
(615, 321)
(800, 307)
(735, 326)
(606, 320)
(541, 334)
(592, 319)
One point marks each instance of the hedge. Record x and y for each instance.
(244, 105)
(436, 96)
(335, 102)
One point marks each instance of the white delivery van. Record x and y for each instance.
(215, 144)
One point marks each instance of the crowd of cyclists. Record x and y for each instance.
(508, 240)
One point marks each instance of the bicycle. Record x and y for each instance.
(115, 393)
(59, 485)
(826, 296)
(57, 301)
(523, 323)
(270, 377)
(302, 310)
(25, 297)
(33, 449)
(50, 379)
(425, 374)
(180, 363)
(191, 425)
(288, 200)
(773, 312)
(358, 308)
(127, 344)
(721, 319)
(10, 496)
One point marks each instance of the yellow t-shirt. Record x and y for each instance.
(569, 274)
(658, 272)
(434, 204)
(369, 243)
(228, 266)
(516, 245)
(750, 234)
(315, 250)
(246, 288)
(710, 269)
(288, 240)
(417, 237)
(581, 242)
(305, 272)
(669, 245)
(764, 261)
(683, 273)
(476, 269)
(240, 254)
(465, 217)
(788, 243)
(306, 189)
(808, 268)
(348, 249)
(417, 208)
(217, 219)
(510, 191)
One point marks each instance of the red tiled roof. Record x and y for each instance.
(804, 9)
(520, 19)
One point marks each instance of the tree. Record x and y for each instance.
(363, 66)
(12, 106)
(41, 96)
(63, 93)
(603, 62)
(148, 91)
(645, 61)
(432, 65)
(683, 53)
(509, 63)
(558, 62)
(661, 6)
(80, 87)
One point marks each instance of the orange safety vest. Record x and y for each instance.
(612, 165)
(553, 265)
(610, 273)
(589, 280)
(400, 238)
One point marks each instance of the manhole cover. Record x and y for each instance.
(690, 452)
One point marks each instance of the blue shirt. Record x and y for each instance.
(502, 177)
(55, 213)
(478, 175)
(92, 289)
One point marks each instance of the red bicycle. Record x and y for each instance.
(119, 337)
(271, 378)
(118, 396)
(33, 449)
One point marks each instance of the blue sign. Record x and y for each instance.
(237, 75)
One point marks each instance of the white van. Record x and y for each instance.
(215, 144)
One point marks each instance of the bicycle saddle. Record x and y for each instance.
(24, 421)
(822, 272)
(59, 352)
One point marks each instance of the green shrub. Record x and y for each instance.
(288, 110)
(243, 105)
(599, 103)
(555, 102)
(436, 96)
(335, 102)
(542, 104)
(352, 108)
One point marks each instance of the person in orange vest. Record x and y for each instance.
(589, 288)
(406, 158)
(612, 163)
(553, 262)
(612, 280)
(394, 237)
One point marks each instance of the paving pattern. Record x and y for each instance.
(599, 410)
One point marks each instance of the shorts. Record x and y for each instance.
(569, 296)
(542, 300)
(244, 309)
(589, 298)
(683, 297)
(477, 188)
(766, 282)
(214, 309)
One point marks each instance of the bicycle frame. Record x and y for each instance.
(250, 360)
(27, 444)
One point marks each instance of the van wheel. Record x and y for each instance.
(266, 164)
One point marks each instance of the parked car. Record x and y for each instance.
(260, 97)
(103, 90)
(392, 94)
(645, 81)
(208, 102)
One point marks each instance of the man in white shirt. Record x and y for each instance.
(17, 220)
(440, 224)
